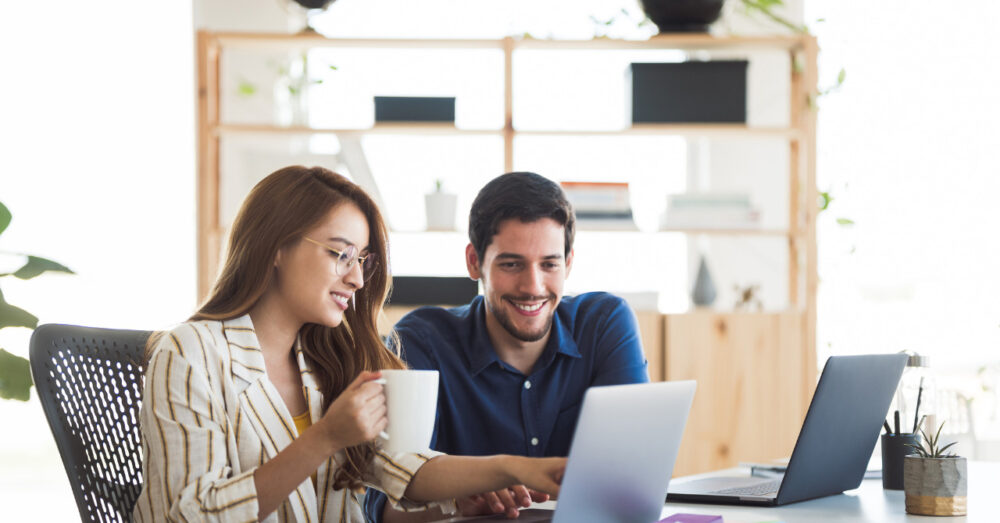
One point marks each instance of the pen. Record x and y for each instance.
(888, 429)
(896, 414)
(916, 413)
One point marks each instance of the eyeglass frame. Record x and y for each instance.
(359, 260)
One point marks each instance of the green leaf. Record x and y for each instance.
(5, 217)
(246, 89)
(12, 316)
(846, 222)
(824, 200)
(15, 377)
(936, 437)
(37, 265)
(333, 68)
(841, 77)
(940, 452)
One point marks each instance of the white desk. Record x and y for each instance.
(867, 503)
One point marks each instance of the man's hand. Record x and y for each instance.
(507, 501)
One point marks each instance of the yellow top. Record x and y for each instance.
(302, 422)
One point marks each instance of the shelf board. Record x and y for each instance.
(682, 41)
(394, 128)
(706, 130)
(676, 129)
(582, 227)
(730, 232)
(278, 41)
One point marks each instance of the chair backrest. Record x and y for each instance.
(89, 382)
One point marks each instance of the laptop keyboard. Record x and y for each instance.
(759, 489)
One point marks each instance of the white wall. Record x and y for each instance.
(97, 167)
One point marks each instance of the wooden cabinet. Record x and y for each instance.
(755, 371)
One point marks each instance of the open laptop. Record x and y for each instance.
(834, 445)
(622, 455)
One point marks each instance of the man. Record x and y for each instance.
(515, 362)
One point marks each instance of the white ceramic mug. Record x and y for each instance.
(411, 404)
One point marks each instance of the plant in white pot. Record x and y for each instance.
(935, 483)
(440, 207)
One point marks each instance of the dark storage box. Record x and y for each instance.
(414, 109)
(689, 92)
(429, 290)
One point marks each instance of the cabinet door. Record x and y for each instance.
(752, 376)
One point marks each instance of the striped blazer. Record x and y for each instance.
(210, 417)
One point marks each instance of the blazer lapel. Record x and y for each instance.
(244, 349)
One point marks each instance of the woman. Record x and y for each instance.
(264, 404)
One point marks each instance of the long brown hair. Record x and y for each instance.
(276, 213)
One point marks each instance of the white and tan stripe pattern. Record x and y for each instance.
(210, 417)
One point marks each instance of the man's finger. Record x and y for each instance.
(521, 495)
(493, 503)
(507, 498)
(538, 497)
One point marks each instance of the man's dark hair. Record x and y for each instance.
(523, 195)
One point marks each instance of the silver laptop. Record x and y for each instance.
(622, 455)
(834, 445)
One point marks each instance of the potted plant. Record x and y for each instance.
(15, 372)
(935, 482)
(440, 207)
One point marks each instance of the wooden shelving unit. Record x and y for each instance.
(784, 339)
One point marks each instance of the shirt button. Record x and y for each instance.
(534, 442)
(527, 384)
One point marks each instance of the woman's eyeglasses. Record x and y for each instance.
(347, 258)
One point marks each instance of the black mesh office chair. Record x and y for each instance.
(90, 383)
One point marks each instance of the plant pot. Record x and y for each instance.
(935, 486)
(440, 207)
(683, 16)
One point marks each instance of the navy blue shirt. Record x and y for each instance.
(486, 406)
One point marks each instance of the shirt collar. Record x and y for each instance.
(482, 353)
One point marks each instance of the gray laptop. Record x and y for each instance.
(622, 455)
(834, 445)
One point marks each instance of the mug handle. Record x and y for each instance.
(383, 434)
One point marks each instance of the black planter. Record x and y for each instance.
(689, 92)
(414, 109)
(683, 16)
(314, 4)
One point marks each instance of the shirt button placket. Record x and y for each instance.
(530, 417)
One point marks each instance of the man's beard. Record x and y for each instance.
(503, 318)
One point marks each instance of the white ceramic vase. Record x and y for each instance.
(440, 208)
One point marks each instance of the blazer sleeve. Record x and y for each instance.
(392, 474)
(185, 431)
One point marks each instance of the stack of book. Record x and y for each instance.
(600, 205)
(710, 210)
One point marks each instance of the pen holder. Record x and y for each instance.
(894, 449)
